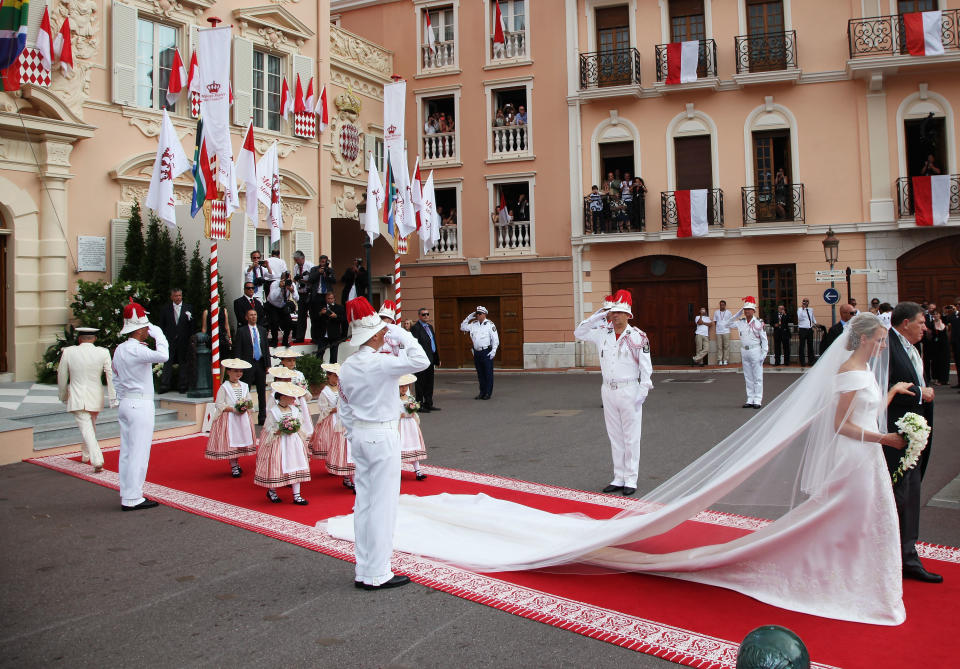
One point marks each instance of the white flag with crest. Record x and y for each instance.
(171, 162)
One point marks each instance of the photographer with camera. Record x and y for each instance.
(281, 304)
(355, 281)
(329, 324)
(301, 277)
(259, 274)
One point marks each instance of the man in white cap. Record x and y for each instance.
(78, 379)
(133, 363)
(370, 409)
(626, 367)
(485, 340)
(753, 350)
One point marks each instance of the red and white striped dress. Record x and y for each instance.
(231, 434)
(329, 427)
(282, 459)
(337, 456)
(411, 438)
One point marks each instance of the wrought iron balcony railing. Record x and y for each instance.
(618, 67)
(605, 214)
(885, 35)
(767, 204)
(668, 208)
(706, 63)
(766, 52)
(905, 207)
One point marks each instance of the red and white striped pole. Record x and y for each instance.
(398, 292)
(214, 318)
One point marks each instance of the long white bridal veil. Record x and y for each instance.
(776, 467)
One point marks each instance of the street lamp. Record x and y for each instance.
(831, 246)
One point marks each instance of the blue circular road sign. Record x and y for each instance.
(831, 296)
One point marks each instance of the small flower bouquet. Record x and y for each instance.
(411, 407)
(288, 425)
(243, 405)
(916, 431)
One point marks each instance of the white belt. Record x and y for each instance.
(136, 396)
(371, 423)
(747, 348)
(613, 385)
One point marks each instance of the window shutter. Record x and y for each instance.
(369, 146)
(124, 54)
(304, 67)
(242, 80)
(33, 21)
(249, 241)
(191, 45)
(303, 241)
(118, 243)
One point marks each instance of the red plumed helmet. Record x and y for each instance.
(623, 302)
(749, 302)
(364, 321)
(389, 309)
(358, 308)
(133, 310)
(134, 317)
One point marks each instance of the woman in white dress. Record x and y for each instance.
(812, 459)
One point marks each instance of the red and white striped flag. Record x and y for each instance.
(45, 41)
(193, 81)
(691, 212)
(923, 33)
(63, 49)
(298, 106)
(416, 192)
(503, 214)
(286, 102)
(308, 101)
(682, 61)
(321, 110)
(430, 39)
(247, 172)
(499, 42)
(931, 199)
(178, 79)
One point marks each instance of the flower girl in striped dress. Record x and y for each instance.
(284, 373)
(232, 434)
(282, 457)
(412, 448)
(329, 427)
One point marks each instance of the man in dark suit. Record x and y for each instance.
(329, 326)
(846, 313)
(425, 335)
(907, 328)
(251, 345)
(176, 321)
(248, 301)
(952, 318)
(781, 336)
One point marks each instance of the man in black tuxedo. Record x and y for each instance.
(251, 345)
(329, 326)
(248, 301)
(846, 313)
(176, 321)
(781, 336)
(424, 333)
(907, 328)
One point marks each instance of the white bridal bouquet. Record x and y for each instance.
(915, 430)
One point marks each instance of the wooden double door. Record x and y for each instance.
(930, 272)
(457, 296)
(668, 292)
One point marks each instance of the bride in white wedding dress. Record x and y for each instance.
(811, 461)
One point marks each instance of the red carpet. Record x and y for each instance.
(688, 623)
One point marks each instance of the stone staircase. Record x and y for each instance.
(54, 427)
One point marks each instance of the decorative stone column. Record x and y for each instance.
(53, 279)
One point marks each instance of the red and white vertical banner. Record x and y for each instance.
(691, 212)
(682, 61)
(924, 36)
(214, 318)
(931, 199)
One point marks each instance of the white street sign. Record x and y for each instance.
(869, 270)
(829, 279)
(834, 273)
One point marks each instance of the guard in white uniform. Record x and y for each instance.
(133, 363)
(483, 335)
(626, 367)
(369, 408)
(78, 379)
(753, 350)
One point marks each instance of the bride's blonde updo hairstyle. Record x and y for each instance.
(862, 325)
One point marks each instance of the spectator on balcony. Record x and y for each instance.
(445, 123)
(780, 184)
(930, 167)
(639, 217)
(521, 117)
(612, 186)
(431, 127)
(499, 120)
(596, 209)
(521, 210)
(508, 113)
(450, 219)
(626, 196)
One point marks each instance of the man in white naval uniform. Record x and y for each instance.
(370, 410)
(753, 350)
(626, 368)
(133, 363)
(78, 380)
(485, 341)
